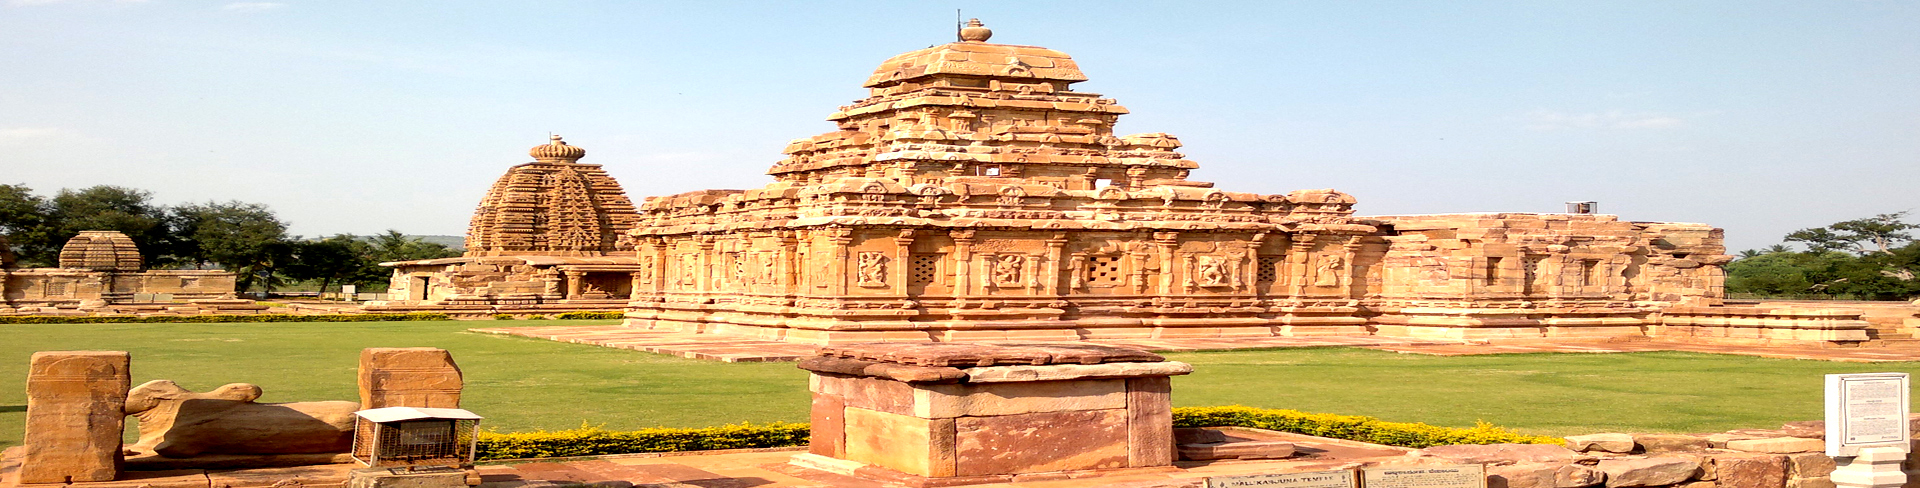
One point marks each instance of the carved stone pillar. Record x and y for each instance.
(841, 239)
(1056, 249)
(902, 250)
(1350, 250)
(573, 283)
(703, 272)
(1167, 242)
(785, 263)
(1297, 265)
(962, 262)
(74, 416)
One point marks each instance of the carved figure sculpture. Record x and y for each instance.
(177, 423)
(1328, 273)
(1006, 269)
(872, 269)
(1211, 271)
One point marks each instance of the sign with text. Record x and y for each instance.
(1459, 476)
(1866, 410)
(1339, 478)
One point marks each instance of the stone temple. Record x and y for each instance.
(975, 196)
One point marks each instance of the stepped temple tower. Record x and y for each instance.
(547, 236)
(974, 195)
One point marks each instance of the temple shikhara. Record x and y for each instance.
(975, 196)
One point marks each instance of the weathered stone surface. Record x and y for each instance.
(178, 423)
(999, 374)
(1577, 476)
(1809, 465)
(1502, 453)
(896, 372)
(177, 478)
(408, 377)
(1817, 482)
(1649, 471)
(1190, 435)
(916, 446)
(1521, 475)
(1608, 442)
(1778, 445)
(1811, 429)
(1656, 443)
(873, 393)
(1149, 422)
(1041, 442)
(323, 476)
(1236, 450)
(980, 400)
(74, 417)
(962, 355)
(1750, 470)
(827, 424)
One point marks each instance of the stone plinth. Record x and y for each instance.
(74, 418)
(945, 410)
(408, 377)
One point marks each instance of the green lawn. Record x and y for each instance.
(527, 384)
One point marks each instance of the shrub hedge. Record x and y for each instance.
(590, 315)
(212, 319)
(592, 441)
(1352, 427)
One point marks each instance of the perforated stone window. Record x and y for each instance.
(1104, 271)
(924, 269)
(1269, 270)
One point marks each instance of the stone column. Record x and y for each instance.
(902, 257)
(841, 239)
(1167, 242)
(1056, 252)
(1298, 265)
(573, 283)
(1350, 250)
(962, 262)
(785, 263)
(409, 377)
(703, 273)
(75, 403)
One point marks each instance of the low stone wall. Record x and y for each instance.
(1756, 325)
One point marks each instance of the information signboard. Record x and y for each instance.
(1866, 410)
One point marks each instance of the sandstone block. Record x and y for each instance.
(1653, 443)
(1037, 443)
(1750, 470)
(1236, 450)
(1649, 471)
(1816, 482)
(1577, 476)
(1809, 465)
(827, 421)
(1521, 475)
(1778, 445)
(1060, 372)
(968, 400)
(178, 423)
(1198, 436)
(409, 377)
(1502, 453)
(1150, 422)
(916, 446)
(1608, 442)
(74, 416)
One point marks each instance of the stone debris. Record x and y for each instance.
(1607, 442)
(1778, 445)
(1648, 471)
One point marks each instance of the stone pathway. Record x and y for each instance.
(721, 347)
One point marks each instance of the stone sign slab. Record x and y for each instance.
(1339, 478)
(1866, 410)
(1457, 476)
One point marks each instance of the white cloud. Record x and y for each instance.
(51, 2)
(1545, 120)
(15, 135)
(252, 6)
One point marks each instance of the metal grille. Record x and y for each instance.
(924, 269)
(1104, 270)
(1269, 271)
(415, 442)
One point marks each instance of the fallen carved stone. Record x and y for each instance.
(178, 423)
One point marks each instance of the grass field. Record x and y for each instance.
(526, 384)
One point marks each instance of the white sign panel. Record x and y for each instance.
(1339, 478)
(1457, 476)
(1866, 410)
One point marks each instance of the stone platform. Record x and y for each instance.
(727, 348)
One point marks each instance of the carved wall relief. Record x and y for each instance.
(871, 269)
(1327, 272)
(1005, 270)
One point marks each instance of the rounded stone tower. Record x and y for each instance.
(554, 206)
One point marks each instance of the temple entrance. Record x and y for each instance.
(606, 285)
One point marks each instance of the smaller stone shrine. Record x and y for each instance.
(546, 238)
(952, 413)
(100, 271)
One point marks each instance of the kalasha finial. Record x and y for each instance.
(557, 151)
(975, 32)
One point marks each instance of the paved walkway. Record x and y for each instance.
(721, 347)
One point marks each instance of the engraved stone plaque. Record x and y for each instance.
(1866, 410)
(1459, 476)
(1339, 478)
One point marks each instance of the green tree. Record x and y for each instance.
(341, 259)
(127, 210)
(23, 217)
(1879, 233)
(245, 238)
(1874, 258)
(394, 246)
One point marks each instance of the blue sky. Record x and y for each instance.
(359, 116)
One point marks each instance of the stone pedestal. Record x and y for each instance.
(408, 377)
(956, 412)
(74, 416)
(1873, 467)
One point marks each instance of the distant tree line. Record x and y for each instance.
(245, 238)
(1874, 258)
